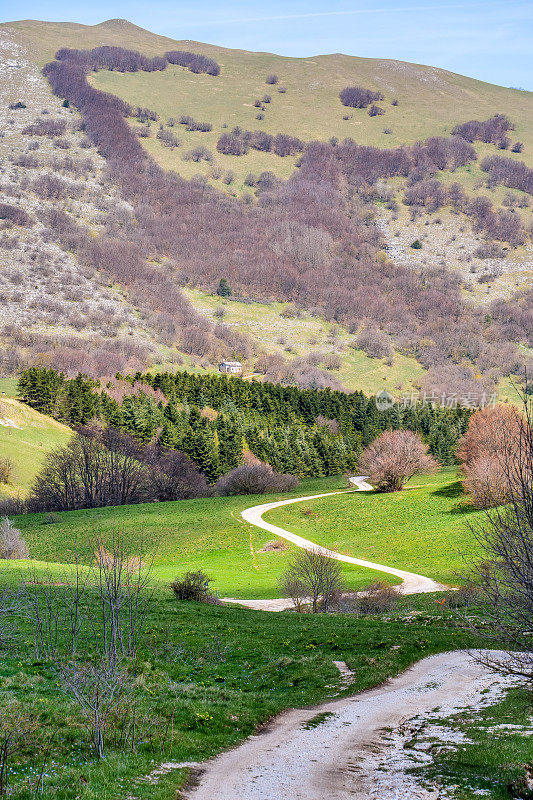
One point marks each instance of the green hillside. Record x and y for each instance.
(25, 438)
(430, 100)
(420, 529)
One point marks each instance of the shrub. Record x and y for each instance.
(9, 506)
(378, 598)
(12, 545)
(6, 470)
(193, 62)
(272, 79)
(374, 342)
(168, 139)
(358, 97)
(15, 215)
(417, 244)
(313, 576)
(46, 127)
(255, 479)
(231, 145)
(375, 111)
(394, 457)
(193, 586)
(492, 130)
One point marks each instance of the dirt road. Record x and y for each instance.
(412, 583)
(352, 754)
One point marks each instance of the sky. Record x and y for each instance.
(491, 40)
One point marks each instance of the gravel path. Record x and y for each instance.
(412, 583)
(361, 749)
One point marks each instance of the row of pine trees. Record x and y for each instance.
(216, 420)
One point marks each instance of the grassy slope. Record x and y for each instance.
(431, 100)
(188, 534)
(420, 529)
(417, 530)
(27, 444)
(205, 684)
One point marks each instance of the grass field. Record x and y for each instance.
(205, 678)
(188, 534)
(422, 529)
(25, 438)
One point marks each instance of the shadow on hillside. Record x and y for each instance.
(454, 489)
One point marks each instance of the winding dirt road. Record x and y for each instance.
(351, 755)
(412, 583)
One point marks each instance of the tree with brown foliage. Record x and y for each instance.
(484, 451)
(393, 458)
(503, 575)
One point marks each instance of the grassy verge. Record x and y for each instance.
(203, 683)
(493, 759)
(423, 528)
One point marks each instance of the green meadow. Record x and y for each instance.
(423, 529)
(25, 438)
(420, 529)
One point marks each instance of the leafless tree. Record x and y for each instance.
(504, 573)
(101, 691)
(315, 576)
(394, 457)
(18, 726)
(12, 545)
(293, 587)
(123, 584)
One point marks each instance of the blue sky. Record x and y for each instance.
(489, 40)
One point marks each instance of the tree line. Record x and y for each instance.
(218, 422)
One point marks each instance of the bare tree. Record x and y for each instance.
(293, 587)
(394, 457)
(12, 545)
(101, 690)
(123, 577)
(504, 574)
(18, 726)
(315, 576)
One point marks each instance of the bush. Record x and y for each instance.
(193, 586)
(358, 97)
(15, 215)
(12, 545)
(379, 597)
(6, 470)
(9, 506)
(255, 479)
(417, 244)
(374, 342)
(272, 79)
(314, 578)
(394, 457)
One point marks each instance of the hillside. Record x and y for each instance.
(485, 257)
(25, 438)
(209, 534)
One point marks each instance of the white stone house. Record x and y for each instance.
(230, 367)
